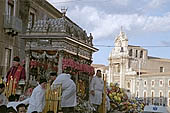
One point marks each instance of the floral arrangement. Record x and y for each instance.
(121, 102)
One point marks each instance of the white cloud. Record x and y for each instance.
(158, 24)
(156, 3)
(121, 2)
(104, 25)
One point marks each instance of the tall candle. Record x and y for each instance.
(14, 87)
(10, 86)
(55, 102)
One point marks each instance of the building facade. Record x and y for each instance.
(16, 17)
(144, 76)
(10, 27)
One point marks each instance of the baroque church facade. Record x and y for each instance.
(143, 76)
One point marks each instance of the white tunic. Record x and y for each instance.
(37, 100)
(68, 98)
(3, 100)
(15, 104)
(97, 85)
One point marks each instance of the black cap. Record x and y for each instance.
(42, 80)
(16, 58)
(53, 73)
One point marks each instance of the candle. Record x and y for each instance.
(1, 81)
(10, 86)
(14, 87)
(55, 102)
(6, 89)
(59, 97)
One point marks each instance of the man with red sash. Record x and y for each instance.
(16, 72)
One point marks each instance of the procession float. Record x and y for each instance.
(54, 44)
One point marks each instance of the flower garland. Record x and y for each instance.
(78, 67)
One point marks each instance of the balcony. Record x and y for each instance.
(12, 24)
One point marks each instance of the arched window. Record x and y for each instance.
(141, 54)
(130, 52)
(160, 98)
(136, 53)
(152, 95)
(144, 95)
(128, 84)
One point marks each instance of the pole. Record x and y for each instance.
(104, 96)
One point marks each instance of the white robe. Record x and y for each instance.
(15, 104)
(37, 100)
(3, 100)
(97, 85)
(68, 98)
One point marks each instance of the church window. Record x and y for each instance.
(160, 94)
(145, 83)
(128, 84)
(152, 95)
(161, 83)
(152, 83)
(160, 99)
(136, 53)
(130, 52)
(117, 68)
(141, 54)
(161, 69)
(144, 95)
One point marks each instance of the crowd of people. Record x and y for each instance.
(35, 102)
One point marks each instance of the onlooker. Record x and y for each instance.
(53, 76)
(14, 103)
(96, 90)
(37, 99)
(16, 71)
(68, 100)
(21, 108)
(3, 99)
(11, 110)
(3, 109)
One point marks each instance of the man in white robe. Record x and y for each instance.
(3, 99)
(37, 99)
(68, 98)
(96, 90)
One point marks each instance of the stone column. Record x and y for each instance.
(27, 62)
(122, 78)
(60, 61)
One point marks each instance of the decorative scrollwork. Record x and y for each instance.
(43, 55)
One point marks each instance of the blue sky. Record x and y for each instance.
(145, 22)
